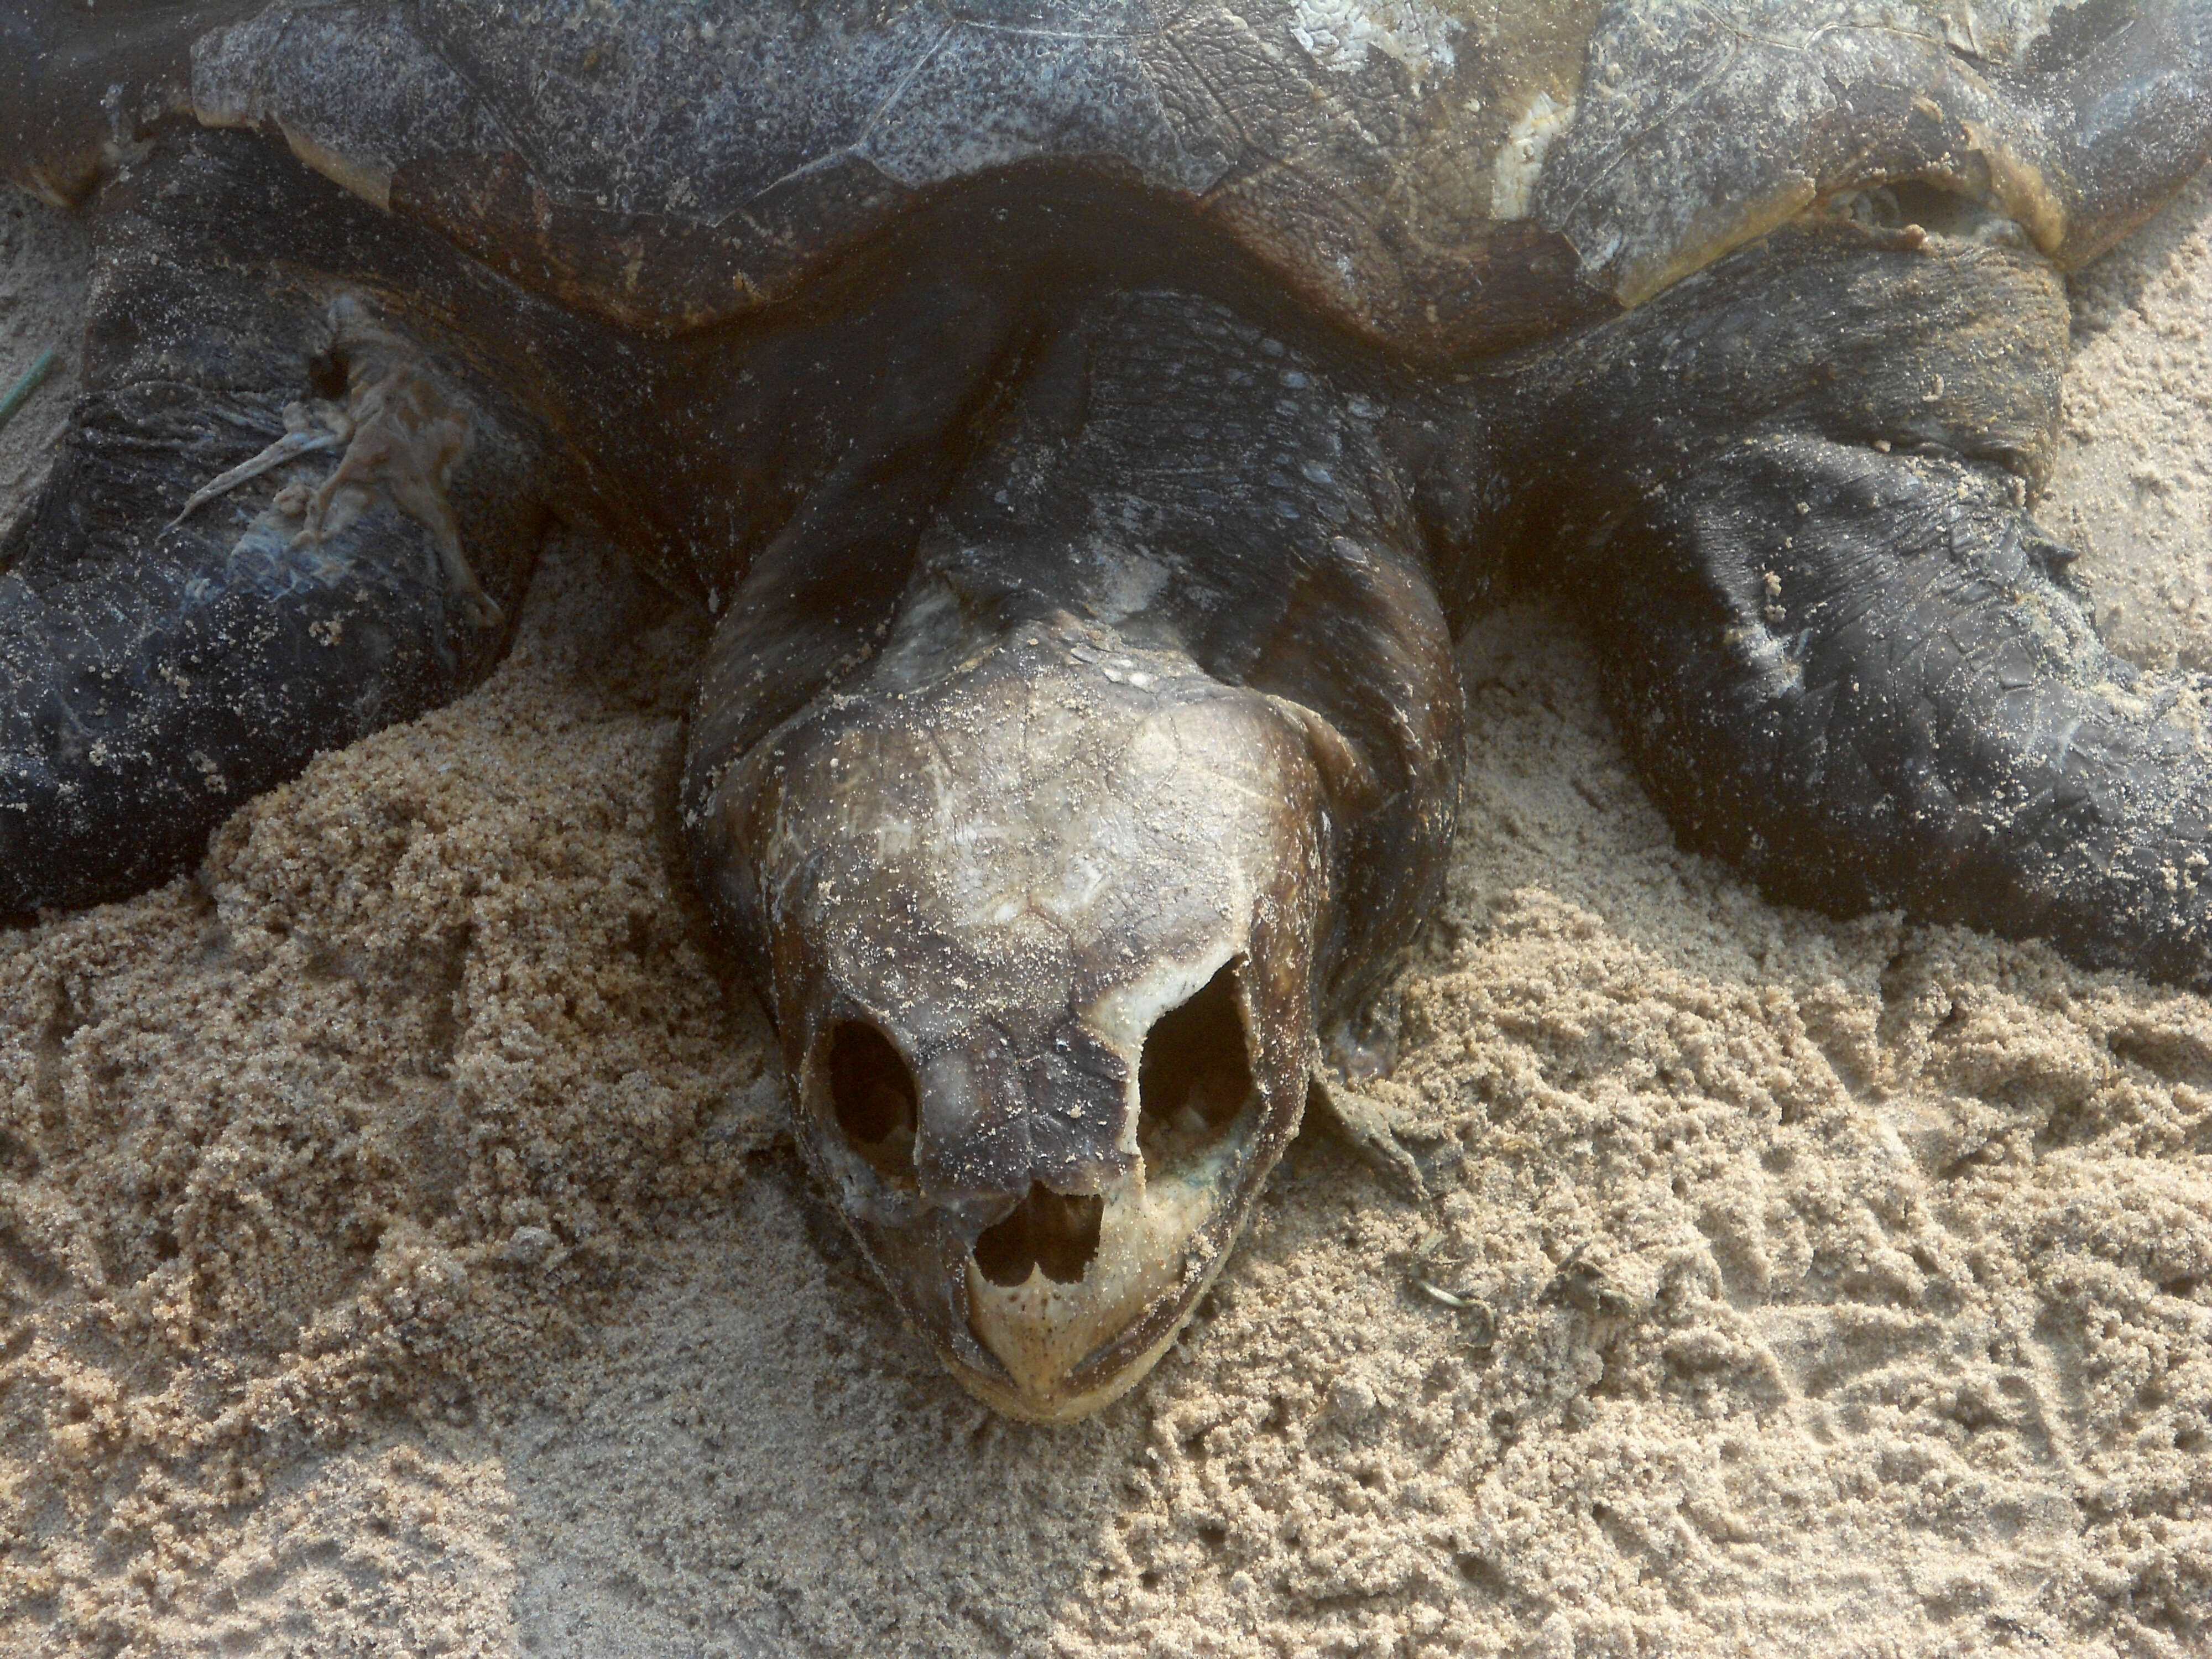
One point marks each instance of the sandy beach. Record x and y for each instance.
(403, 1251)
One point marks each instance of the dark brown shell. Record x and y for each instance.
(1447, 178)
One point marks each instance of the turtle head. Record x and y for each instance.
(1037, 918)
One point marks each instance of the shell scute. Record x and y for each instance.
(1444, 178)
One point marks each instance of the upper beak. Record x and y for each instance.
(1050, 1266)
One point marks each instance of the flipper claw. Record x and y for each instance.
(1371, 1127)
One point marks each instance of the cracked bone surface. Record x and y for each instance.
(1041, 924)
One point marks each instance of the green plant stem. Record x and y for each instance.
(19, 393)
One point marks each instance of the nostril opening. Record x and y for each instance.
(873, 1096)
(1056, 1231)
(1195, 1079)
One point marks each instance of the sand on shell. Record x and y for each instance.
(402, 1250)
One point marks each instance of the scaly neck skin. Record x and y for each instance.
(1164, 470)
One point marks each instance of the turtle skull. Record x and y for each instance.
(1038, 928)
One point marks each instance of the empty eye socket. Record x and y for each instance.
(873, 1096)
(1056, 1231)
(1195, 1079)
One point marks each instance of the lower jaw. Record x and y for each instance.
(1098, 1381)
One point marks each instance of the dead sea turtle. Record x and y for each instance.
(1085, 419)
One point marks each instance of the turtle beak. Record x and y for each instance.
(1053, 1267)
(1039, 943)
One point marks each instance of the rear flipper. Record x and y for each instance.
(278, 524)
(1862, 678)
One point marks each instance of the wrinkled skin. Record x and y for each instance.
(1084, 437)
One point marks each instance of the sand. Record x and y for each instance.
(403, 1251)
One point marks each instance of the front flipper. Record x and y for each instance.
(1861, 676)
(278, 523)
